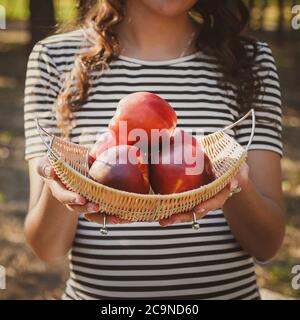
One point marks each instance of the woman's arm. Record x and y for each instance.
(50, 225)
(51, 222)
(256, 214)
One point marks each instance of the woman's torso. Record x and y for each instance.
(143, 260)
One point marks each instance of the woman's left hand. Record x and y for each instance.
(217, 202)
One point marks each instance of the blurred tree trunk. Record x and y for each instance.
(264, 6)
(42, 19)
(83, 7)
(281, 16)
(251, 4)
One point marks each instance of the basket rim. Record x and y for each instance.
(159, 196)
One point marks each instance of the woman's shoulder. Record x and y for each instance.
(67, 39)
(262, 49)
(61, 49)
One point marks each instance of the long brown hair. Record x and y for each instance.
(221, 34)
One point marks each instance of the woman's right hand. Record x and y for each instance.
(73, 201)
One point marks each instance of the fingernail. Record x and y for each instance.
(92, 207)
(87, 217)
(163, 225)
(47, 171)
(199, 209)
(79, 200)
(233, 185)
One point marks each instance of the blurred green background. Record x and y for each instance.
(19, 9)
(27, 277)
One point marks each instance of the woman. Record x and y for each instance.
(192, 54)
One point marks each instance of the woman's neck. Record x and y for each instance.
(145, 35)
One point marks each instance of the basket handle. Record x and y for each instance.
(46, 138)
(252, 112)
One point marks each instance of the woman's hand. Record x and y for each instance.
(217, 202)
(73, 201)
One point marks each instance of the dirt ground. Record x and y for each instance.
(27, 277)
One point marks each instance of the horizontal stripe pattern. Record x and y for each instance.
(143, 260)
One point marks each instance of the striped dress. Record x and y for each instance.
(143, 260)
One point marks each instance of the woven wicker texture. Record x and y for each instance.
(70, 162)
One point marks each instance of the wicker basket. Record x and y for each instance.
(70, 162)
